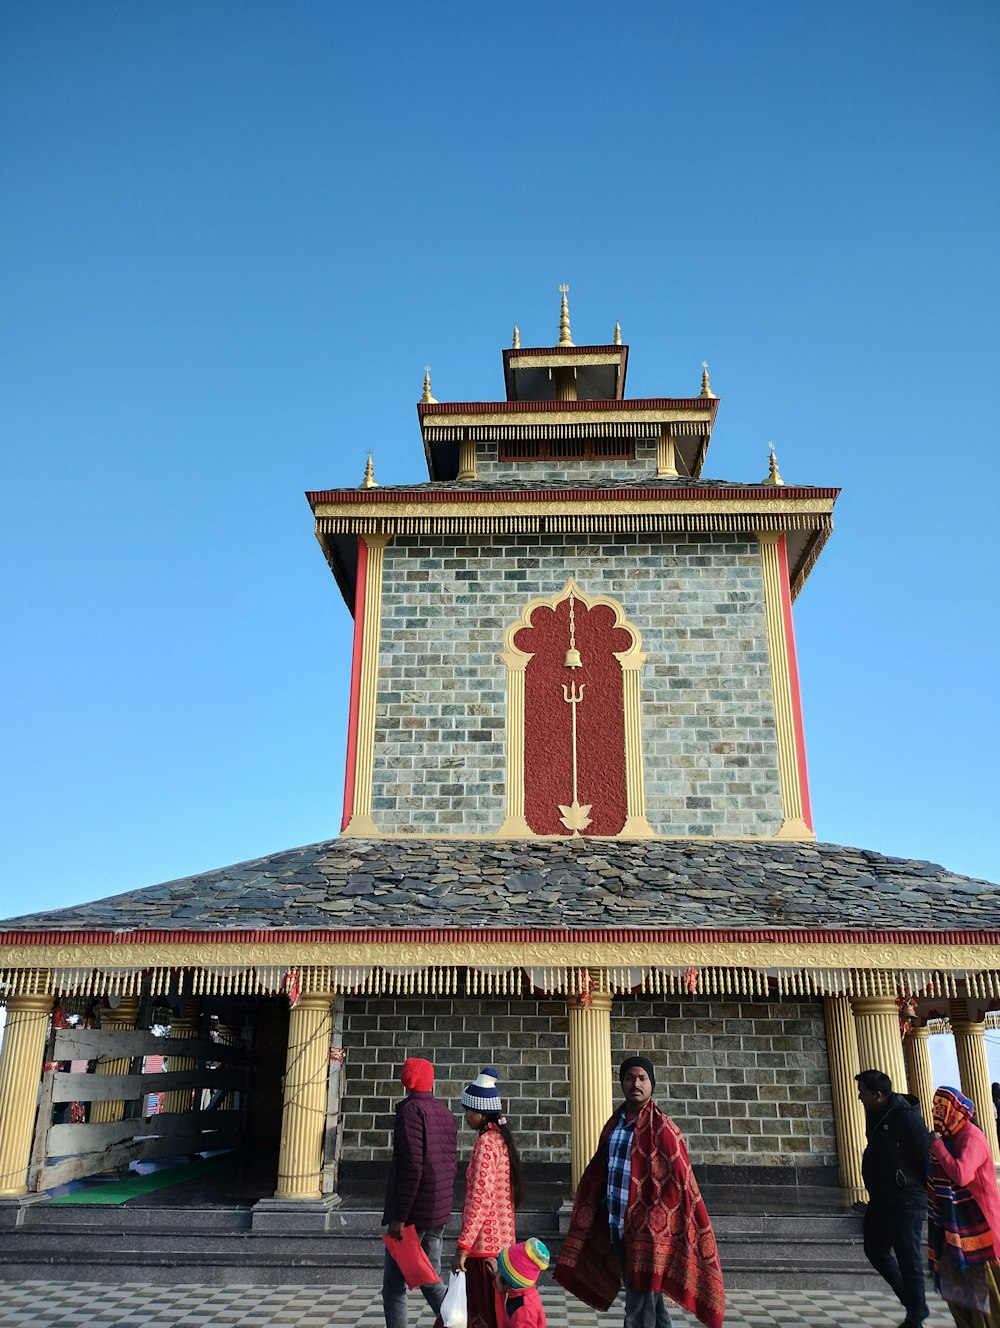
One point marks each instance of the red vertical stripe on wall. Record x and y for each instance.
(793, 678)
(352, 723)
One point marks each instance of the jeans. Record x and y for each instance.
(394, 1284)
(643, 1309)
(894, 1247)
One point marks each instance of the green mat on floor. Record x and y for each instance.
(120, 1191)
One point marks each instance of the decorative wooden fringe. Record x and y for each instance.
(596, 522)
(475, 981)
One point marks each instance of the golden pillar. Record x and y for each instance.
(970, 1047)
(917, 1054)
(185, 1026)
(848, 1113)
(589, 1071)
(303, 1120)
(20, 1071)
(124, 1016)
(880, 1047)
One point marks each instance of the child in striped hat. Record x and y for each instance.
(517, 1272)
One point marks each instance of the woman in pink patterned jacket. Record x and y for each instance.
(493, 1190)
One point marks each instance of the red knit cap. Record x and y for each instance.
(417, 1075)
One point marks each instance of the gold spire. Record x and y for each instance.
(369, 480)
(618, 334)
(516, 343)
(427, 385)
(564, 337)
(706, 386)
(773, 474)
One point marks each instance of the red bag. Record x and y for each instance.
(413, 1263)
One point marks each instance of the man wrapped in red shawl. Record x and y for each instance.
(963, 1214)
(639, 1218)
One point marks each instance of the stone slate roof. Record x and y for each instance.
(585, 883)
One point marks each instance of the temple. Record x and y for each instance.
(576, 823)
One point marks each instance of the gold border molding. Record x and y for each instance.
(793, 825)
(872, 956)
(392, 509)
(599, 415)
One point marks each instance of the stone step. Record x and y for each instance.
(218, 1246)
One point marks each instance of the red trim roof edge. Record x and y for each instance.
(527, 407)
(506, 935)
(471, 495)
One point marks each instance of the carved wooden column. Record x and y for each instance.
(184, 1026)
(973, 1068)
(20, 1072)
(124, 1016)
(303, 1121)
(848, 1113)
(880, 1047)
(917, 1054)
(589, 1071)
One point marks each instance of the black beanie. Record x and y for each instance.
(642, 1063)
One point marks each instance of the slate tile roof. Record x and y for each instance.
(528, 485)
(575, 883)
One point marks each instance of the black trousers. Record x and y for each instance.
(895, 1249)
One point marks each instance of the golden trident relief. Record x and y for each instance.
(574, 817)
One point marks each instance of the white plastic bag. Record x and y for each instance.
(454, 1307)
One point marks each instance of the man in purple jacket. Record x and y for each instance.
(421, 1183)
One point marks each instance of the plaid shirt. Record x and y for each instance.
(619, 1172)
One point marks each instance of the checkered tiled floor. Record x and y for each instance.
(39, 1304)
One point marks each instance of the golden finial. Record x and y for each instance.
(369, 480)
(773, 474)
(516, 343)
(427, 385)
(706, 386)
(618, 334)
(564, 337)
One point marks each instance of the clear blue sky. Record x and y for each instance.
(234, 233)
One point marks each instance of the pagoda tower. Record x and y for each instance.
(567, 631)
(576, 824)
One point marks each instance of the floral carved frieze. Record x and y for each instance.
(512, 954)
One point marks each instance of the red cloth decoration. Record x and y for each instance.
(290, 986)
(668, 1233)
(413, 1262)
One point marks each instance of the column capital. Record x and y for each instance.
(314, 1000)
(38, 1003)
(868, 1005)
(595, 1002)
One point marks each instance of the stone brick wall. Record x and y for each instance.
(707, 709)
(746, 1080)
(643, 467)
(525, 1039)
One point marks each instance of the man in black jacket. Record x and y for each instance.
(894, 1168)
(420, 1184)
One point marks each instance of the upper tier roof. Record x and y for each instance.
(651, 504)
(594, 885)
